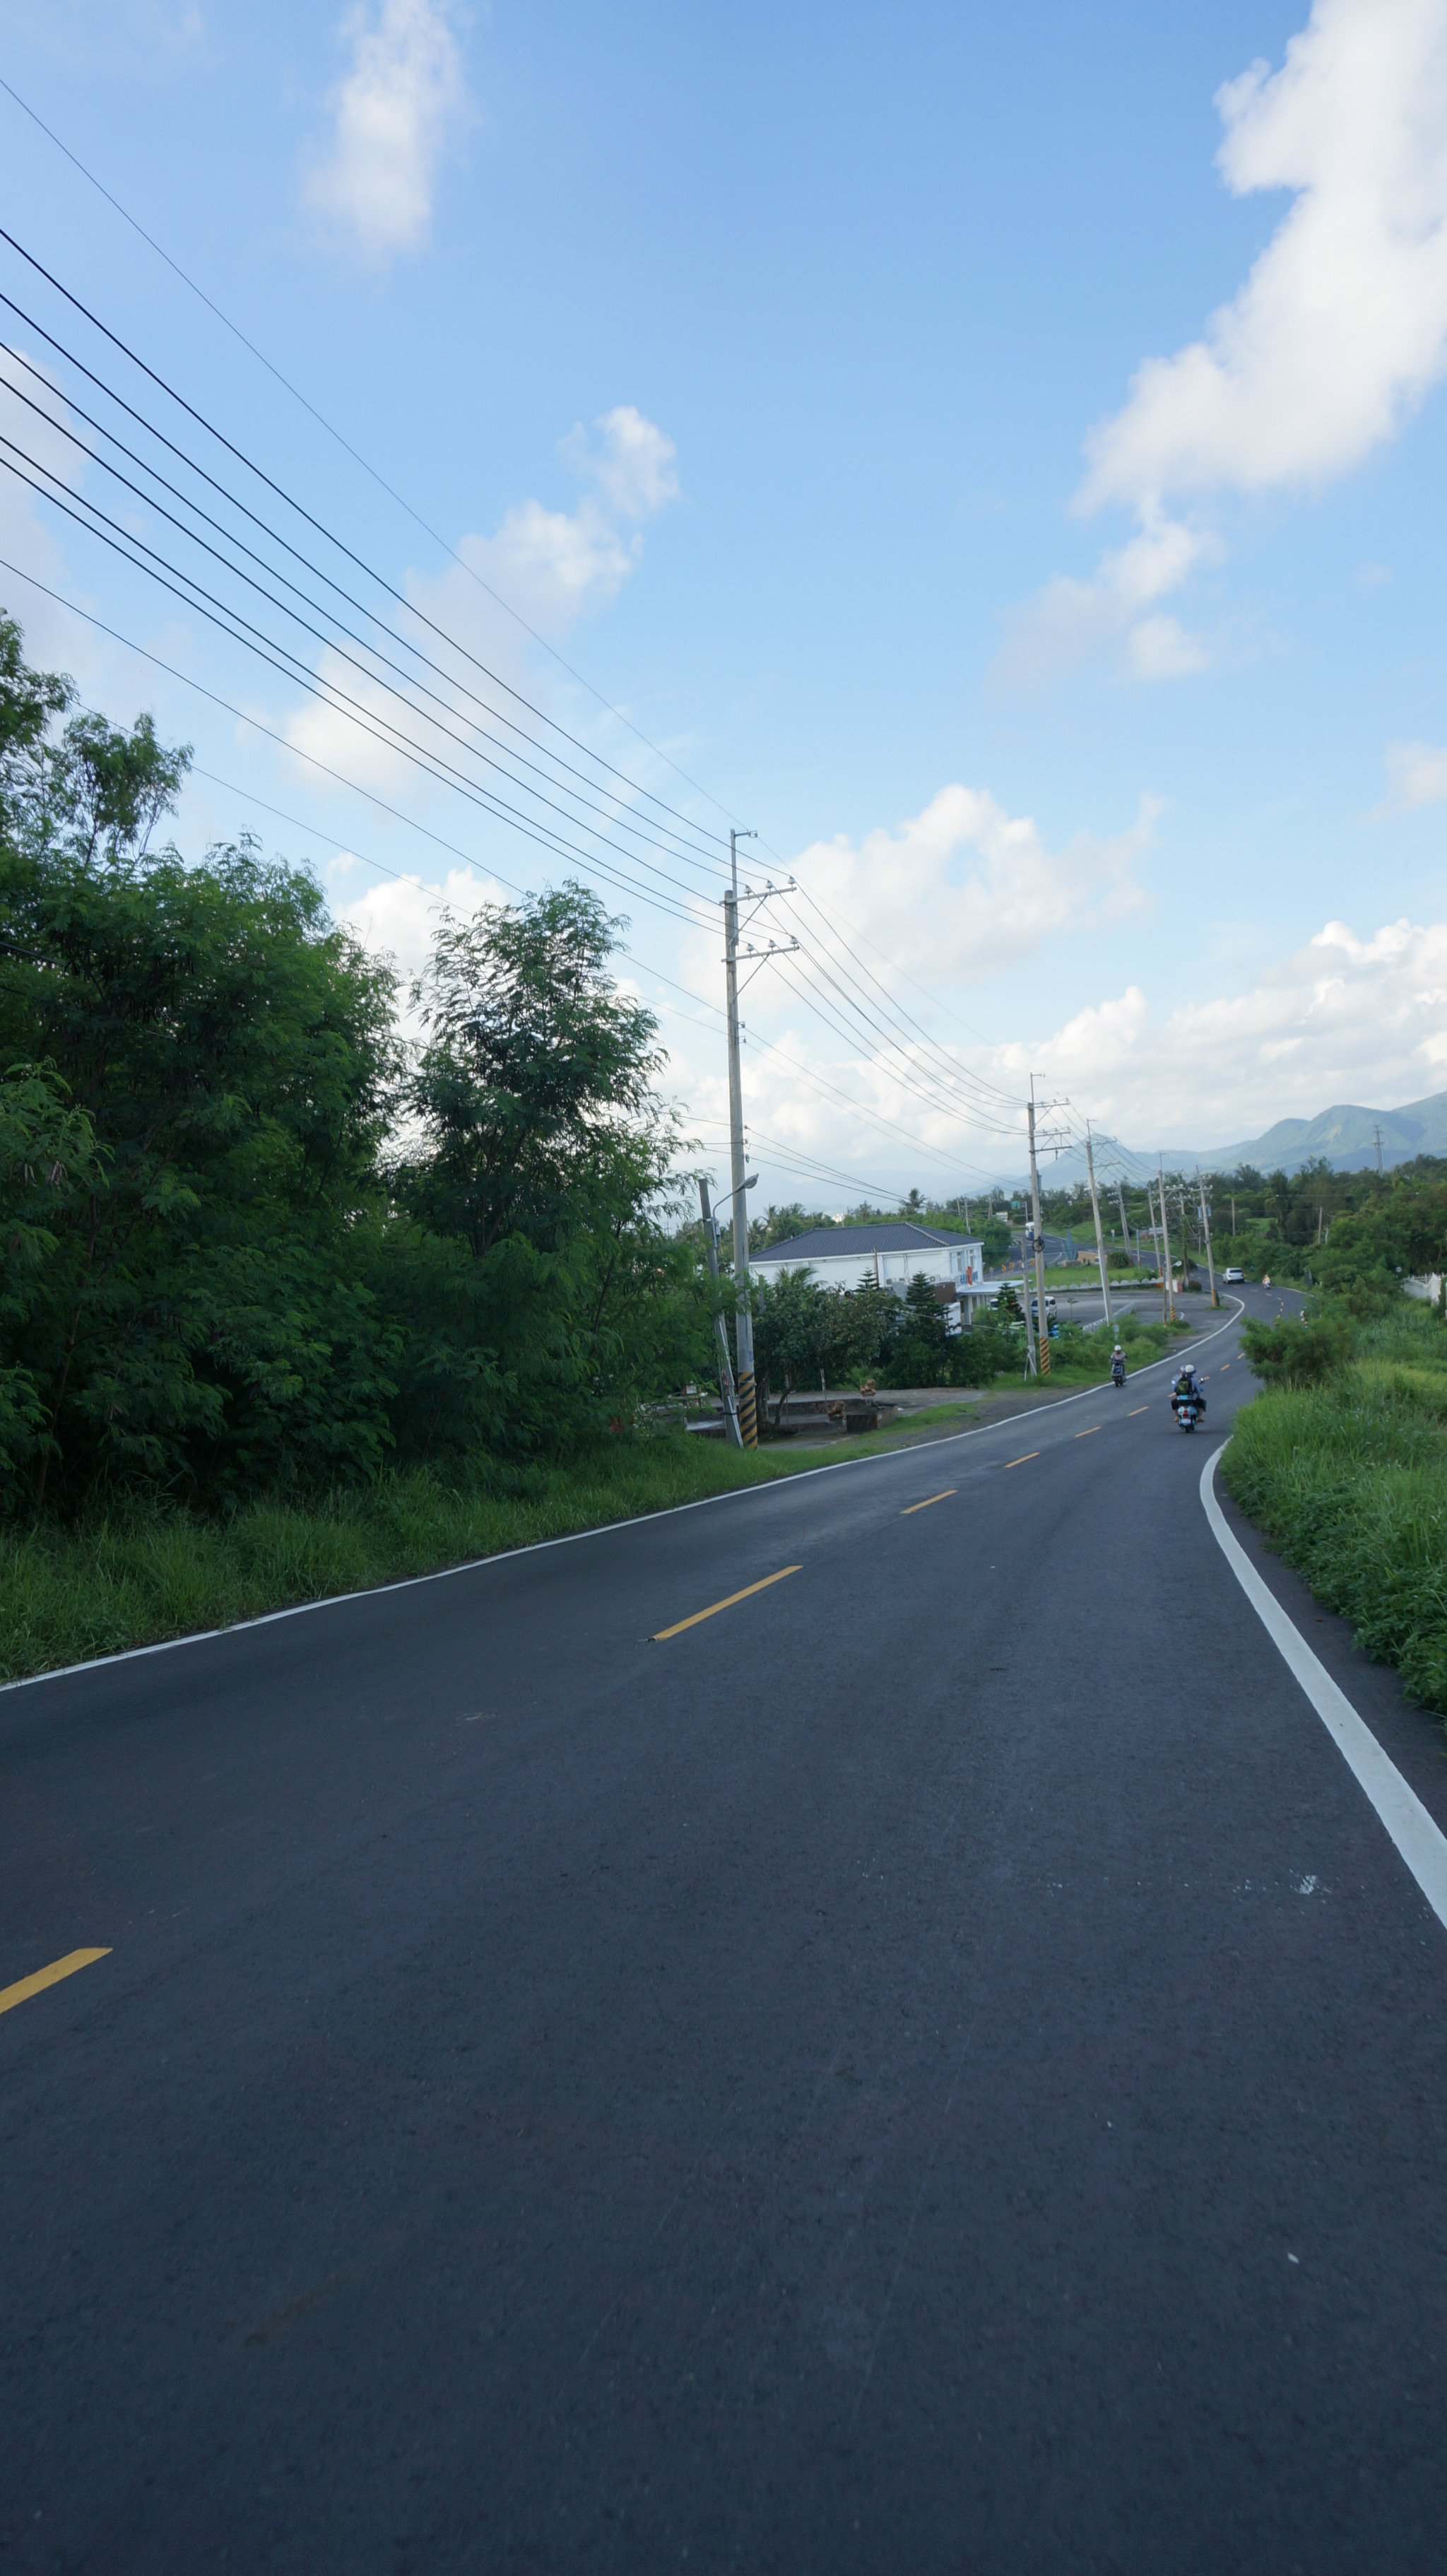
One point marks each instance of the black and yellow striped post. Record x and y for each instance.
(748, 1410)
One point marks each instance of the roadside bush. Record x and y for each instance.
(1347, 1476)
(1291, 1353)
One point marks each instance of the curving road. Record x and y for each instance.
(935, 2066)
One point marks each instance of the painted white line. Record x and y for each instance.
(572, 1538)
(1422, 1846)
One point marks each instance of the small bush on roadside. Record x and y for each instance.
(1292, 1353)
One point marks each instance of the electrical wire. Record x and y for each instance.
(319, 525)
(382, 730)
(380, 480)
(674, 844)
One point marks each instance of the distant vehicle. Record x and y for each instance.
(1234, 1278)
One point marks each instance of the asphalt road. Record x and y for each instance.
(936, 2067)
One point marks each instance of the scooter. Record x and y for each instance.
(1117, 1372)
(1187, 1409)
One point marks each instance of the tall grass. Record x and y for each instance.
(1348, 1480)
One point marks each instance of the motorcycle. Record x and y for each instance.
(1117, 1372)
(1188, 1410)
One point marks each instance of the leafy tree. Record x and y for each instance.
(224, 1058)
(541, 1162)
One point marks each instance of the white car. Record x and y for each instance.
(1234, 1278)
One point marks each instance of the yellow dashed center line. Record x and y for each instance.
(929, 1498)
(35, 1985)
(1025, 1461)
(1090, 1434)
(714, 1607)
(1135, 1409)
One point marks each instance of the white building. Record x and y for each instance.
(846, 1256)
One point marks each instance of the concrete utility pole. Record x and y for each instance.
(1099, 1236)
(743, 1321)
(1167, 1300)
(1378, 1135)
(1206, 1237)
(725, 1367)
(1043, 1336)
(1124, 1220)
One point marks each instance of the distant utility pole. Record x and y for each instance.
(1099, 1236)
(725, 1369)
(1124, 1220)
(1378, 1134)
(1043, 1333)
(1206, 1237)
(743, 1320)
(1168, 1304)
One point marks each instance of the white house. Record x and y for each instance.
(846, 1256)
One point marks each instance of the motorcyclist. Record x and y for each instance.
(1117, 1366)
(1186, 1389)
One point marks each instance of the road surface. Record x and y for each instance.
(935, 2066)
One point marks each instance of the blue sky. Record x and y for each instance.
(783, 367)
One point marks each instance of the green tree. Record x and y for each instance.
(539, 1181)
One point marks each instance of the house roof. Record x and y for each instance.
(822, 1240)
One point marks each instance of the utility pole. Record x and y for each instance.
(1167, 1300)
(1124, 1222)
(1099, 1236)
(1206, 1236)
(1043, 1335)
(725, 1369)
(743, 1320)
(1378, 1134)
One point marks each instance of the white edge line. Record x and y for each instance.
(1422, 1845)
(535, 1546)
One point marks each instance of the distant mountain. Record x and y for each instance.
(1345, 1136)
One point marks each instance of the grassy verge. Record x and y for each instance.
(143, 1572)
(1348, 1481)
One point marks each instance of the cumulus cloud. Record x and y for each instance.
(554, 568)
(1344, 1018)
(1326, 349)
(1416, 776)
(1114, 612)
(394, 114)
(1347, 1017)
(1342, 324)
(632, 461)
(965, 888)
(398, 916)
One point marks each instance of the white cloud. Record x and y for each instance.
(1417, 775)
(1343, 1019)
(394, 115)
(634, 463)
(1114, 612)
(398, 916)
(964, 888)
(1327, 348)
(1342, 324)
(553, 568)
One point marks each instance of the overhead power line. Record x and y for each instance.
(355, 453)
(310, 519)
(382, 729)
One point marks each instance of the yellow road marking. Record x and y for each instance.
(1025, 1461)
(51, 1976)
(714, 1607)
(1088, 1435)
(1135, 1409)
(929, 1498)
